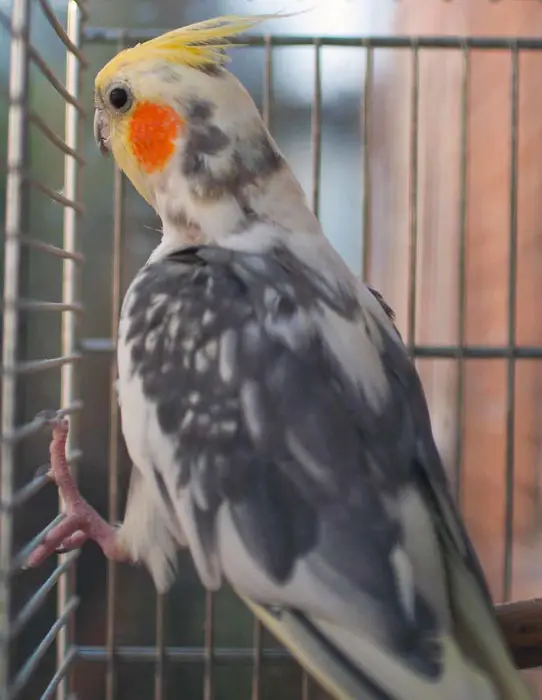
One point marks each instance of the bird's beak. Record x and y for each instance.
(101, 131)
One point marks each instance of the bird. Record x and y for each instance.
(276, 423)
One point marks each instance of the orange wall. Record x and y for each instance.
(487, 235)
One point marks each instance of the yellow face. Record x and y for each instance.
(141, 132)
(136, 117)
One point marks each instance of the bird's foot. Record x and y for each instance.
(81, 521)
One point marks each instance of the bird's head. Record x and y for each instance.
(186, 132)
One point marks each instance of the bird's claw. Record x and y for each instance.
(55, 419)
(81, 521)
(44, 470)
(52, 417)
(56, 541)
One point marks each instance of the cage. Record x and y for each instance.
(75, 234)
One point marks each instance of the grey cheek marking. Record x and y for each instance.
(200, 110)
(250, 161)
(203, 141)
(258, 158)
(209, 141)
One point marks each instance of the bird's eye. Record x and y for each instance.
(119, 98)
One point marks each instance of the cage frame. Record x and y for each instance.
(528, 648)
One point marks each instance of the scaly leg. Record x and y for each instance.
(81, 521)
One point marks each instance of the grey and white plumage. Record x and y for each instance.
(276, 424)
(308, 486)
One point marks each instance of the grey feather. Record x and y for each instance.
(281, 466)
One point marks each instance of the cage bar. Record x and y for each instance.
(49, 74)
(413, 199)
(24, 675)
(223, 656)
(35, 366)
(209, 652)
(114, 426)
(14, 224)
(160, 665)
(50, 249)
(209, 657)
(56, 306)
(462, 274)
(317, 128)
(19, 560)
(37, 424)
(366, 232)
(60, 675)
(24, 494)
(63, 35)
(512, 294)
(108, 35)
(49, 134)
(36, 601)
(55, 196)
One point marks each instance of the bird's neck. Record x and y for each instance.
(274, 204)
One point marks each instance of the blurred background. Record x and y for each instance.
(435, 188)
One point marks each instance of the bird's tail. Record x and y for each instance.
(320, 658)
(350, 668)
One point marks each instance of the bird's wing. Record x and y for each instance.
(277, 418)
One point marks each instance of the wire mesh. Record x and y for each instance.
(20, 239)
(211, 656)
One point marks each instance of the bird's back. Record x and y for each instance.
(277, 418)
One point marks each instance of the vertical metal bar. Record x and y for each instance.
(306, 685)
(366, 139)
(512, 291)
(413, 208)
(462, 277)
(267, 82)
(16, 153)
(316, 173)
(160, 666)
(316, 128)
(208, 677)
(114, 425)
(257, 638)
(69, 385)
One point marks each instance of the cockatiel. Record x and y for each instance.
(275, 422)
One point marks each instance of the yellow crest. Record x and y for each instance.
(198, 45)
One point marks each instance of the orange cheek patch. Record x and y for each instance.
(153, 130)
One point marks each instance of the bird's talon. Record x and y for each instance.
(53, 418)
(48, 416)
(44, 470)
(81, 521)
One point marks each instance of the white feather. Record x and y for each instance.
(146, 533)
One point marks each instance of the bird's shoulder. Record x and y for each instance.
(267, 349)
(260, 279)
(218, 311)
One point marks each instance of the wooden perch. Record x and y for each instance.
(521, 623)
